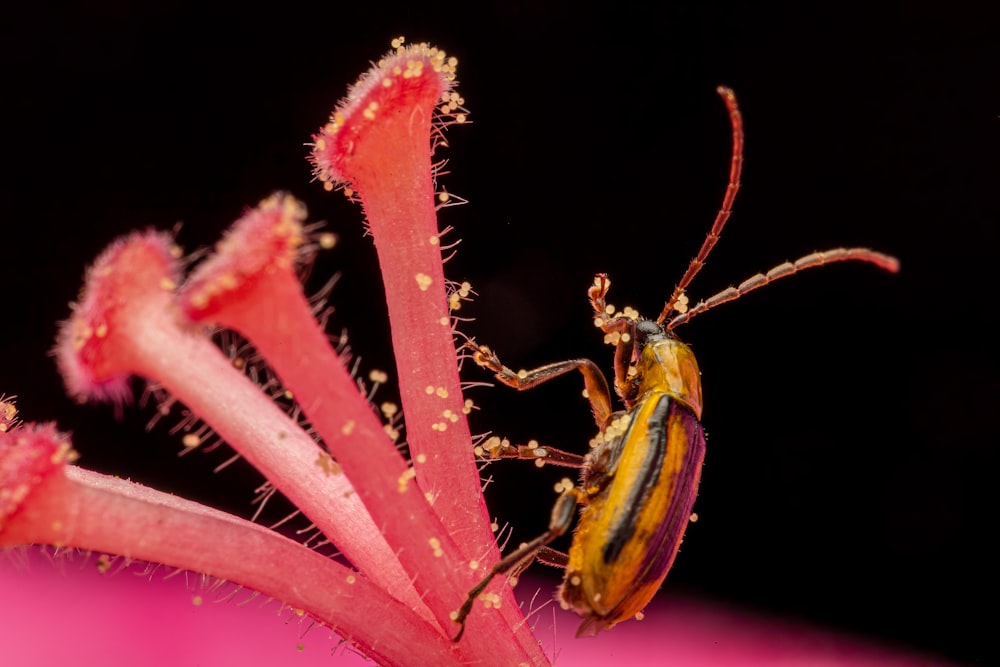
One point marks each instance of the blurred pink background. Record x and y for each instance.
(65, 612)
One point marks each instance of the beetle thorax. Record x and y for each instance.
(666, 365)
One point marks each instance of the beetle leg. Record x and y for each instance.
(593, 380)
(621, 330)
(495, 449)
(550, 556)
(546, 555)
(624, 356)
(559, 523)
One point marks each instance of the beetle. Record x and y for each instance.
(639, 480)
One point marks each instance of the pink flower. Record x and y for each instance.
(416, 534)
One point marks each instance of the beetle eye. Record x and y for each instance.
(646, 329)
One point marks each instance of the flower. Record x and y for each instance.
(415, 532)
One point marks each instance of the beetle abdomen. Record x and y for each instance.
(629, 533)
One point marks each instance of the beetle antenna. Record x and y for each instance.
(676, 303)
(886, 262)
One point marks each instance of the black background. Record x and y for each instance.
(849, 479)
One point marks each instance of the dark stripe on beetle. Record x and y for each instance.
(656, 428)
(671, 530)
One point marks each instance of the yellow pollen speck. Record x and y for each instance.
(327, 240)
(539, 463)
(574, 580)
(429, 497)
(442, 392)
(436, 547)
(404, 480)
(442, 197)
(460, 118)
(639, 616)
(609, 309)
(473, 564)
(433, 240)
(693, 518)
(101, 331)
(191, 440)
(423, 281)
(421, 458)
(348, 427)
(429, 389)
(386, 82)
(196, 600)
(378, 376)
(103, 563)
(444, 321)
(351, 579)
(522, 374)
(327, 464)
(389, 409)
